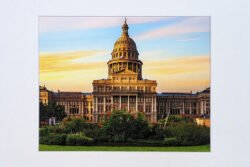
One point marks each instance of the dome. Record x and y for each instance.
(124, 42)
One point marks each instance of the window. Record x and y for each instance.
(108, 100)
(100, 99)
(124, 99)
(132, 99)
(148, 108)
(186, 111)
(140, 108)
(116, 99)
(148, 99)
(141, 99)
(74, 110)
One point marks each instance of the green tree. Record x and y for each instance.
(51, 110)
(73, 125)
(43, 113)
(122, 126)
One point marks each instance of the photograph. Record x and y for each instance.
(132, 83)
(124, 83)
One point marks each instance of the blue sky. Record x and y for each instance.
(157, 38)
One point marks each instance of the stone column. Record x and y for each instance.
(112, 103)
(197, 107)
(120, 102)
(183, 107)
(81, 108)
(190, 108)
(104, 104)
(144, 105)
(136, 103)
(205, 107)
(96, 104)
(152, 107)
(128, 103)
(155, 104)
(201, 107)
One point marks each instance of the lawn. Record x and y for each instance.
(202, 148)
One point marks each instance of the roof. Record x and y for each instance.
(87, 93)
(207, 90)
(175, 94)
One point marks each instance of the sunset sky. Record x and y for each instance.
(175, 51)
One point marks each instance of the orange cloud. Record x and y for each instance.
(67, 61)
(72, 71)
(181, 65)
(179, 74)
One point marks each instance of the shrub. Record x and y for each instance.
(122, 125)
(189, 134)
(102, 136)
(46, 130)
(78, 140)
(91, 130)
(156, 133)
(119, 138)
(171, 141)
(179, 119)
(72, 125)
(53, 139)
(43, 131)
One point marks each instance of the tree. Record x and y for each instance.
(51, 110)
(43, 114)
(122, 126)
(73, 125)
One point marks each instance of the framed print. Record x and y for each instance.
(124, 83)
(124, 111)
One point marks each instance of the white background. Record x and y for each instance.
(19, 78)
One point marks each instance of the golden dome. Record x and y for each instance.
(124, 42)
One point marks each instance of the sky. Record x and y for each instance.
(175, 51)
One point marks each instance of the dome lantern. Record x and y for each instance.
(125, 28)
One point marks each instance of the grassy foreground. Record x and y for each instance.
(202, 148)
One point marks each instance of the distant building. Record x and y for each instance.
(125, 89)
(189, 104)
(44, 95)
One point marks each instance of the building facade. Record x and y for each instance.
(125, 89)
(180, 103)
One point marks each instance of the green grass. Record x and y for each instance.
(202, 148)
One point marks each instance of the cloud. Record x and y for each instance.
(69, 61)
(188, 25)
(181, 65)
(52, 24)
(64, 71)
(187, 39)
(179, 74)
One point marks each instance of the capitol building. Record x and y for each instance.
(124, 88)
